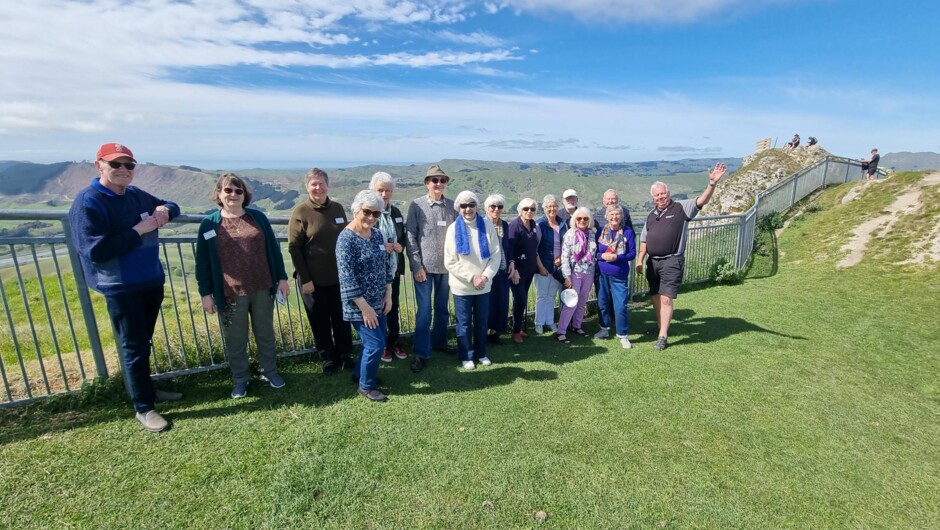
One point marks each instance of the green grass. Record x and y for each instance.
(806, 397)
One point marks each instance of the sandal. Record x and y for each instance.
(580, 332)
(560, 337)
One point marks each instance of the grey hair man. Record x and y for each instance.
(610, 199)
(663, 240)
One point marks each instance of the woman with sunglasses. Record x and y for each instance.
(239, 269)
(547, 286)
(365, 284)
(523, 263)
(472, 257)
(499, 292)
(616, 247)
(578, 256)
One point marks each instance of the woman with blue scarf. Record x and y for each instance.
(472, 255)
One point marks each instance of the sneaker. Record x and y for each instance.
(163, 395)
(660, 343)
(602, 334)
(152, 421)
(551, 328)
(387, 356)
(485, 361)
(372, 395)
(418, 364)
(538, 329)
(274, 379)
(625, 342)
(329, 367)
(468, 365)
(240, 390)
(399, 352)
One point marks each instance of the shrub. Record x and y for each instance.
(725, 273)
(771, 221)
(813, 208)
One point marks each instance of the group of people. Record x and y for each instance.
(349, 270)
(795, 142)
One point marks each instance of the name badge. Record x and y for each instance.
(144, 216)
(340, 220)
(209, 235)
(399, 220)
(442, 223)
(670, 216)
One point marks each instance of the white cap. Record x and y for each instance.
(569, 297)
(569, 193)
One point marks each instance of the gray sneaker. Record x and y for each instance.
(240, 390)
(163, 395)
(152, 421)
(274, 379)
(602, 334)
(372, 395)
(660, 343)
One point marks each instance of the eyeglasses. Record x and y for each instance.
(127, 165)
(528, 209)
(436, 180)
(582, 218)
(496, 207)
(374, 213)
(236, 191)
(468, 205)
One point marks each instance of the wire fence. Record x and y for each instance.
(51, 339)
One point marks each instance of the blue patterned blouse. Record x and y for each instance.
(364, 270)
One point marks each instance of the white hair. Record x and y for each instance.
(495, 198)
(659, 184)
(381, 177)
(367, 198)
(549, 199)
(582, 211)
(525, 203)
(464, 196)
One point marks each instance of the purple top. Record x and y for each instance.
(522, 247)
(624, 243)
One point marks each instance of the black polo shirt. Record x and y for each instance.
(665, 231)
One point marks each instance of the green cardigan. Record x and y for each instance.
(209, 268)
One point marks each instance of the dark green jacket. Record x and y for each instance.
(209, 268)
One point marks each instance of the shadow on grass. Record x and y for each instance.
(711, 329)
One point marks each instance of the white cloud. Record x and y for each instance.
(617, 11)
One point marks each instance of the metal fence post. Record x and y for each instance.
(84, 300)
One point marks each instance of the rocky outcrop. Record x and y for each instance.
(758, 172)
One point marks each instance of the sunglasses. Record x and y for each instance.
(236, 191)
(436, 180)
(528, 209)
(468, 205)
(496, 207)
(582, 218)
(127, 165)
(374, 213)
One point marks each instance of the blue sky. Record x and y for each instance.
(295, 83)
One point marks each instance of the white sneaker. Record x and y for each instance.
(468, 365)
(625, 342)
(485, 361)
(552, 328)
(602, 334)
(152, 421)
(538, 329)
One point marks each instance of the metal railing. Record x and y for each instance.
(51, 343)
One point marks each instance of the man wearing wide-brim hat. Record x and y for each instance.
(428, 219)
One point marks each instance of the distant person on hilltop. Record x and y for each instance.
(870, 165)
(811, 142)
(663, 239)
(795, 142)
(114, 226)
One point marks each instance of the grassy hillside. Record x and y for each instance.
(805, 397)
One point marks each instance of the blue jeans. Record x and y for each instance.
(373, 343)
(614, 292)
(133, 318)
(473, 314)
(426, 337)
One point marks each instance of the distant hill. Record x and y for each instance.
(905, 161)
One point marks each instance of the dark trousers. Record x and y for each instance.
(332, 334)
(499, 302)
(133, 318)
(392, 318)
(520, 299)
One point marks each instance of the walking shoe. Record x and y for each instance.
(551, 328)
(329, 368)
(387, 356)
(152, 421)
(240, 390)
(418, 364)
(163, 395)
(468, 365)
(517, 338)
(373, 395)
(625, 342)
(274, 379)
(399, 352)
(538, 329)
(660, 343)
(603, 333)
(485, 361)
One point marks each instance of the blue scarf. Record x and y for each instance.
(463, 238)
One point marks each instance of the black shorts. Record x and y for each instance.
(665, 275)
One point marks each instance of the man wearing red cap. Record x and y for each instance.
(114, 226)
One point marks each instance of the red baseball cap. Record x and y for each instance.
(108, 152)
